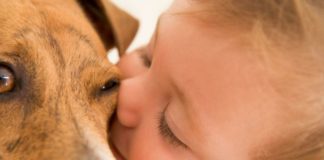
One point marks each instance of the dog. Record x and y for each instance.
(57, 88)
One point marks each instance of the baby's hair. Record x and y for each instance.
(288, 36)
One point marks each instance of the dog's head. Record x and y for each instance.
(57, 88)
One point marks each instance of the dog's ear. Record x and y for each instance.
(114, 26)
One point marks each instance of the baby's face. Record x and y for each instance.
(194, 93)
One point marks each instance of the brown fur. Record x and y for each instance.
(57, 110)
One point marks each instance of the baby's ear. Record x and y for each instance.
(114, 26)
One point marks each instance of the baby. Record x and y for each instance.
(226, 80)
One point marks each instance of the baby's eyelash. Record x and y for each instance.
(167, 133)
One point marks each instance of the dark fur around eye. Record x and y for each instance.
(110, 85)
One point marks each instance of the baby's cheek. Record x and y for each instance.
(147, 146)
(130, 103)
(147, 143)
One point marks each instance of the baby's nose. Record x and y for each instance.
(131, 65)
(130, 102)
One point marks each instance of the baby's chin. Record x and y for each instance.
(118, 139)
(116, 152)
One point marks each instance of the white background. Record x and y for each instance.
(147, 12)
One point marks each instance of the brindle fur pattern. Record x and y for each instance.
(56, 110)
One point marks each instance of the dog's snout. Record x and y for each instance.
(94, 147)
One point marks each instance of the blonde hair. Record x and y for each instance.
(288, 36)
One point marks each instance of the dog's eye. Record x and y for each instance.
(7, 79)
(110, 85)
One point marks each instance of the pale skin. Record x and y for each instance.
(215, 101)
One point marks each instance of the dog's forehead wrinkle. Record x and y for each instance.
(27, 35)
(76, 124)
(81, 38)
(55, 46)
(82, 52)
(53, 103)
(13, 144)
(22, 32)
(48, 33)
(81, 64)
